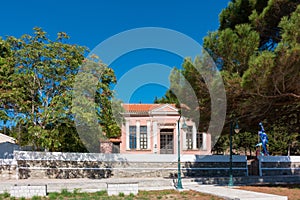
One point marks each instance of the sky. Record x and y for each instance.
(90, 22)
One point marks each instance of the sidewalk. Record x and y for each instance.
(232, 193)
(93, 185)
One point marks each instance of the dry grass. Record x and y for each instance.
(291, 191)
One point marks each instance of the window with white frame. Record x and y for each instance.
(199, 140)
(189, 138)
(143, 137)
(132, 137)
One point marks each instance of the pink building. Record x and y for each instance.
(153, 128)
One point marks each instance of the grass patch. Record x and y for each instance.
(36, 198)
(53, 195)
(76, 191)
(102, 195)
(6, 194)
(66, 193)
(121, 194)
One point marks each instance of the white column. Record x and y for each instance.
(137, 134)
(154, 144)
(183, 141)
(127, 134)
(148, 134)
(194, 137)
(204, 141)
(176, 138)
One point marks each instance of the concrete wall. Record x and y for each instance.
(28, 191)
(125, 188)
(91, 165)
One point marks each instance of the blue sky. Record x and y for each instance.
(90, 22)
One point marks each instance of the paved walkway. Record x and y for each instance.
(93, 185)
(232, 193)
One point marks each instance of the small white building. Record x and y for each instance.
(6, 138)
(7, 146)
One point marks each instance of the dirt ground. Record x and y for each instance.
(171, 194)
(291, 191)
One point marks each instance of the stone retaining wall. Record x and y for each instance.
(90, 165)
(7, 169)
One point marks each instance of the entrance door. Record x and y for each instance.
(166, 141)
(116, 148)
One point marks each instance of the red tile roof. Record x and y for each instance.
(142, 107)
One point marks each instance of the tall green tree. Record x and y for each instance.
(263, 15)
(45, 70)
(6, 73)
(273, 77)
(97, 113)
(37, 77)
(257, 50)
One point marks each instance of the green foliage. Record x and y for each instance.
(221, 145)
(66, 193)
(53, 195)
(169, 97)
(281, 139)
(37, 77)
(7, 82)
(257, 74)
(263, 15)
(101, 193)
(36, 198)
(121, 194)
(257, 49)
(237, 12)
(267, 86)
(242, 41)
(273, 77)
(6, 194)
(43, 72)
(97, 113)
(245, 142)
(76, 191)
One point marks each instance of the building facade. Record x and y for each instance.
(153, 129)
(7, 146)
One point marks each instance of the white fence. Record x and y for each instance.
(279, 165)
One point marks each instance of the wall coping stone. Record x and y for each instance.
(8, 162)
(279, 159)
(59, 156)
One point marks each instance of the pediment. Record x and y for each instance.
(165, 109)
